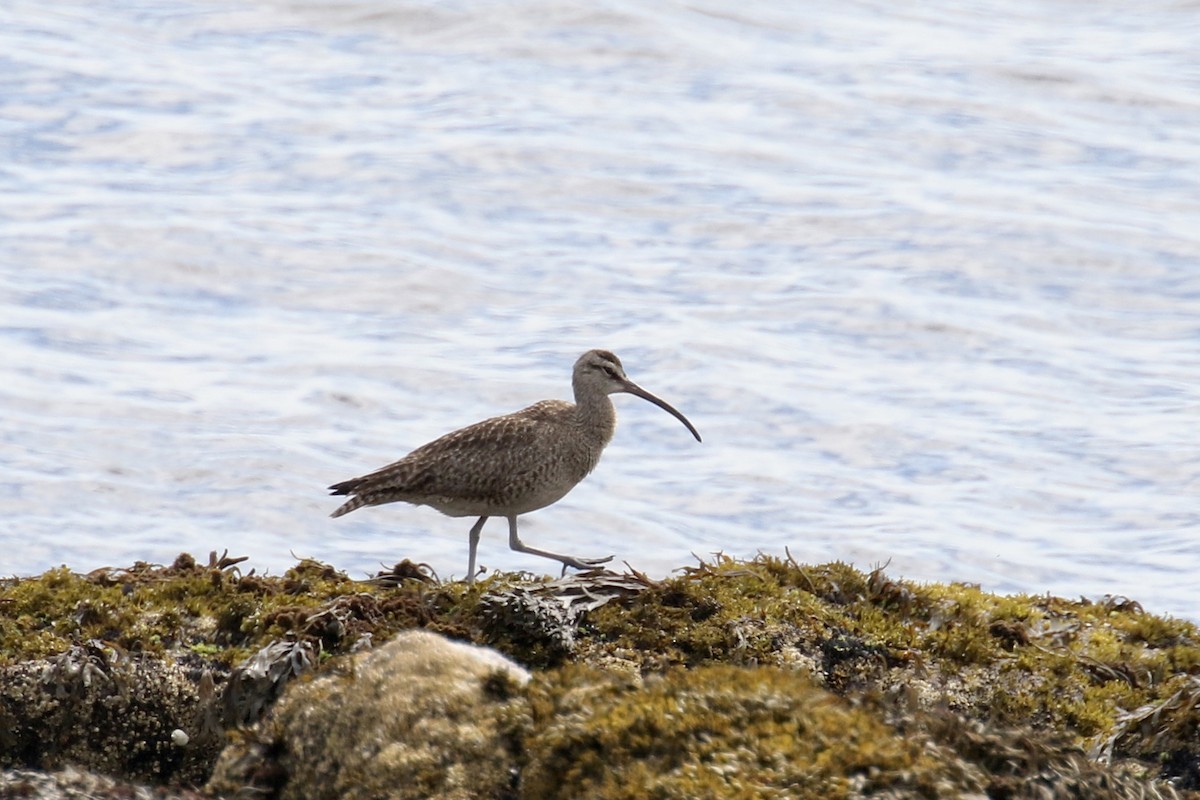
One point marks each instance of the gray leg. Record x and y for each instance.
(476, 529)
(515, 543)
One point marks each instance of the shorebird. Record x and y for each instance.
(513, 464)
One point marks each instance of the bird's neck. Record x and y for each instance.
(595, 415)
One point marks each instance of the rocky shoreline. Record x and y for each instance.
(735, 679)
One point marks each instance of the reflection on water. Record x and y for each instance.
(925, 281)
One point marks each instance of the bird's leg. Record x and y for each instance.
(476, 529)
(514, 542)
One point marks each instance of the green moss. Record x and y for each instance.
(206, 610)
(1030, 662)
(204, 649)
(1013, 660)
(716, 732)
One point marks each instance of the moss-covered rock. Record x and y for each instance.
(202, 648)
(722, 732)
(1074, 667)
(420, 717)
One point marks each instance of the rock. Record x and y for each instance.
(106, 710)
(420, 717)
(74, 784)
(723, 733)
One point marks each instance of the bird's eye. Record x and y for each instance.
(612, 373)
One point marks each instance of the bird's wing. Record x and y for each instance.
(475, 461)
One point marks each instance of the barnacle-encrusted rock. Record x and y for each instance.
(421, 717)
(70, 783)
(110, 711)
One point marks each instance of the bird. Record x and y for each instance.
(513, 464)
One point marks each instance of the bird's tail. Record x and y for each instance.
(348, 487)
(350, 505)
(369, 490)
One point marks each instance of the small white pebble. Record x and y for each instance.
(179, 738)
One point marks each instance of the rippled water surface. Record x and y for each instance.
(927, 282)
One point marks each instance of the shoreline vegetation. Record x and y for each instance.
(759, 678)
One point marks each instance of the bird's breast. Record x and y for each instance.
(551, 478)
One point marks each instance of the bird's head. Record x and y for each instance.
(600, 371)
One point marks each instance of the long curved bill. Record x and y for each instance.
(634, 389)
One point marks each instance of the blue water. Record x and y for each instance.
(928, 282)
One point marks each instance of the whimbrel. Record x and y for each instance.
(510, 465)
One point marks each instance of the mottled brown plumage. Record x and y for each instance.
(510, 465)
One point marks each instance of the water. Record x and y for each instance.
(928, 282)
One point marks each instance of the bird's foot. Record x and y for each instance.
(583, 563)
(567, 561)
